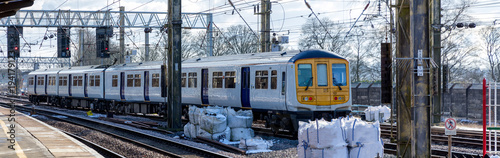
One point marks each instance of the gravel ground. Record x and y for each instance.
(282, 147)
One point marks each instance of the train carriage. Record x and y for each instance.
(281, 88)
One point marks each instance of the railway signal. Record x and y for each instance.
(63, 42)
(102, 41)
(13, 41)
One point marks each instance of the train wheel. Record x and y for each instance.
(275, 125)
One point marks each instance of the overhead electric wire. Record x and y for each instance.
(243, 19)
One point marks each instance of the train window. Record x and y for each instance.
(274, 79)
(80, 80)
(339, 74)
(137, 80)
(261, 79)
(192, 80)
(97, 80)
(91, 79)
(114, 81)
(321, 75)
(217, 80)
(304, 72)
(229, 78)
(75, 80)
(183, 80)
(30, 81)
(283, 83)
(52, 80)
(60, 80)
(156, 80)
(65, 81)
(130, 80)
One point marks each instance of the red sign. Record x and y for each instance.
(450, 124)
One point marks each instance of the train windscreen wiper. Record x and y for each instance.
(309, 82)
(337, 84)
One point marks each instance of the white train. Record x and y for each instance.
(280, 87)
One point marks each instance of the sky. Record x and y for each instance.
(287, 16)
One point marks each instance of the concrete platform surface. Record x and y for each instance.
(33, 138)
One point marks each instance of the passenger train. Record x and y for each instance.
(279, 87)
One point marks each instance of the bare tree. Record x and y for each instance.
(314, 36)
(491, 45)
(89, 54)
(242, 40)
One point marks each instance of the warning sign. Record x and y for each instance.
(450, 127)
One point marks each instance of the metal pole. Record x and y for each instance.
(210, 35)
(419, 19)
(17, 78)
(403, 81)
(122, 34)
(146, 47)
(174, 64)
(81, 44)
(436, 49)
(265, 34)
(484, 117)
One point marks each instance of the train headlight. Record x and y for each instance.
(307, 98)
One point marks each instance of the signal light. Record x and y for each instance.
(105, 48)
(15, 48)
(67, 48)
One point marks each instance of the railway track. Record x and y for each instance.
(161, 145)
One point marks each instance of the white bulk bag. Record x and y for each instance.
(203, 133)
(240, 119)
(223, 135)
(337, 152)
(255, 144)
(363, 132)
(191, 114)
(187, 132)
(322, 134)
(241, 133)
(213, 123)
(367, 150)
(386, 111)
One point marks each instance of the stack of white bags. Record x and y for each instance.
(344, 138)
(219, 123)
(377, 113)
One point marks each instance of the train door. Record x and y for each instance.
(323, 95)
(265, 91)
(45, 83)
(122, 85)
(245, 87)
(282, 86)
(146, 85)
(69, 84)
(35, 82)
(85, 85)
(204, 86)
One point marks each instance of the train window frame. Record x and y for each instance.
(91, 80)
(80, 80)
(155, 80)
(30, 81)
(97, 82)
(274, 79)
(137, 80)
(343, 74)
(130, 80)
(322, 75)
(217, 79)
(75, 81)
(230, 79)
(304, 80)
(114, 80)
(65, 80)
(192, 80)
(183, 79)
(261, 79)
(283, 83)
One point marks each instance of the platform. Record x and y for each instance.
(34, 138)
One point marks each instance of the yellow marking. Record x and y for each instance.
(17, 148)
(205, 105)
(246, 107)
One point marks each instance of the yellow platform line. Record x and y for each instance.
(17, 148)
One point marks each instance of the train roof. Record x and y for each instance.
(259, 58)
(45, 71)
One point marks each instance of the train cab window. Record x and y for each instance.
(192, 80)
(75, 80)
(97, 82)
(304, 72)
(274, 79)
(217, 80)
(80, 80)
(130, 80)
(91, 79)
(321, 75)
(137, 80)
(261, 79)
(183, 80)
(339, 74)
(230, 79)
(155, 80)
(114, 81)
